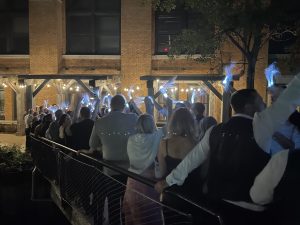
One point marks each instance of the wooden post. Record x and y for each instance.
(226, 106)
(150, 88)
(20, 111)
(28, 97)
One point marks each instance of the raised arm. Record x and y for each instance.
(96, 110)
(268, 121)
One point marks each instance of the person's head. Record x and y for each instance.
(58, 113)
(275, 91)
(247, 101)
(47, 118)
(205, 124)
(117, 103)
(182, 123)
(198, 108)
(145, 124)
(179, 105)
(85, 113)
(63, 119)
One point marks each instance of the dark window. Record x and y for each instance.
(14, 35)
(170, 24)
(93, 27)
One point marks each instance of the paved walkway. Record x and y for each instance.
(11, 139)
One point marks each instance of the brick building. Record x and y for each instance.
(123, 38)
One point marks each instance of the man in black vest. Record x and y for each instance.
(237, 149)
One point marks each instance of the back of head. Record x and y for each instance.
(47, 118)
(145, 124)
(117, 103)
(198, 108)
(241, 98)
(182, 123)
(58, 113)
(85, 113)
(205, 124)
(62, 119)
(180, 105)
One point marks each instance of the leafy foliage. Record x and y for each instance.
(248, 24)
(13, 159)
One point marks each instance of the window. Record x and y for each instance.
(93, 27)
(168, 25)
(14, 35)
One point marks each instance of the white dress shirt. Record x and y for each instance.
(266, 181)
(111, 133)
(265, 123)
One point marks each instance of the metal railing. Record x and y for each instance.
(84, 185)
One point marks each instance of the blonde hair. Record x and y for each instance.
(145, 124)
(182, 123)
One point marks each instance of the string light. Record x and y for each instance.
(71, 89)
(48, 85)
(137, 88)
(186, 90)
(115, 88)
(182, 90)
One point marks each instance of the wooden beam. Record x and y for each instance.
(68, 76)
(188, 77)
(213, 89)
(40, 87)
(87, 89)
(13, 87)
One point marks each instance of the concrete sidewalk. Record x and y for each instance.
(11, 139)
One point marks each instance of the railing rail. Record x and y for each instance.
(58, 170)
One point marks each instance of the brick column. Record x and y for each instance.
(136, 43)
(46, 35)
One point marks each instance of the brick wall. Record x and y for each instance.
(47, 48)
(45, 36)
(136, 42)
(8, 104)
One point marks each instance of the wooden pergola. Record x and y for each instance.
(206, 79)
(26, 93)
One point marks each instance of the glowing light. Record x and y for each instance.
(198, 89)
(191, 89)
(137, 88)
(165, 95)
(182, 90)
(172, 90)
(176, 88)
(228, 75)
(64, 88)
(115, 88)
(48, 85)
(157, 80)
(71, 89)
(271, 72)
(186, 90)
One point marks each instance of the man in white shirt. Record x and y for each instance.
(264, 123)
(111, 133)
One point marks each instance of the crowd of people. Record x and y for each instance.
(249, 162)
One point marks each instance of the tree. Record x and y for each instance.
(248, 24)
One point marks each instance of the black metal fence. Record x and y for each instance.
(84, 186)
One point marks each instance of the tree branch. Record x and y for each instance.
(237, 44)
